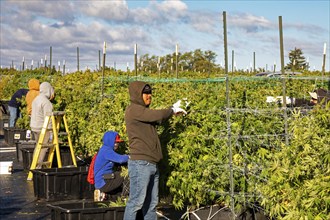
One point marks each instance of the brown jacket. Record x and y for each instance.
(33, 92)
(141, 124)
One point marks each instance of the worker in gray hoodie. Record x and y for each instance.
(41, 107)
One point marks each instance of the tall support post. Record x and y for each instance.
(78, 59)
(23, 64)
(158, 65)
(323, 62)
(63, 67)
(46, 61)
(135, 59)
(231, 174)
(104, 53)
(254, 62)
(232, 61)
(50, 58)
(176, 60)
(283, 82)
(99, 60)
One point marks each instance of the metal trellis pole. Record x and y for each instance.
(78, 59)
(283, 83)
(231, 175)
(104, 53)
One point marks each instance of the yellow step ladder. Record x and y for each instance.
(56, 118)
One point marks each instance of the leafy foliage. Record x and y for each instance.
(297, 185)
(290, 182)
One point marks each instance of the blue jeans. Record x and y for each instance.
(13, 116)
(144, 181)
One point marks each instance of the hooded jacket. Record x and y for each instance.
(41, 107)
(141, 124)
(33, 92)
(106, 158)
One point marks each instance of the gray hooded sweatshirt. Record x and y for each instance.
(41, 106)
(141, 124)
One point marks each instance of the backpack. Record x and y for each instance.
(90, 175)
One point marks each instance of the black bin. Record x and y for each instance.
(27, 156)
(57, 184)
(13, 135)
(23, 144)
(86, 211)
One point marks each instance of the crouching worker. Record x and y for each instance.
(107, 179)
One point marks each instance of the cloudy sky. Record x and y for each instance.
(30, 27)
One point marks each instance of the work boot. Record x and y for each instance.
(99, 196)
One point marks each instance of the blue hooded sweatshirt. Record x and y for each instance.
(106, 158)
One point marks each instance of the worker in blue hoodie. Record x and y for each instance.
(107, 179)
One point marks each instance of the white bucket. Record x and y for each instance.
(6, 167)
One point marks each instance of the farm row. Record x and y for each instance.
(234, 154)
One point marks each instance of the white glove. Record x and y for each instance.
(177, 104)
(270, 99)
(177, 110)
(288, 100)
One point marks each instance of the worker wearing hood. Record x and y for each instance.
(41, 107)
(145, 150)
(106, 160)
(33, 92)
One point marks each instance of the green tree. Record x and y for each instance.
(297, 60)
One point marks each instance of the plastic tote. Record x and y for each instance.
(55, 184)
(86, 211)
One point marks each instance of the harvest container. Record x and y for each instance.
(55, 184)
(86, 211)
(23, 144)
(4, 123)
(27, 156)
(13, 135)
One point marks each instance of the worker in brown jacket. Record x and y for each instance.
(145, 150)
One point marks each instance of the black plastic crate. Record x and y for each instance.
(13, 135)
(86, 211)
(55, 184)
(4, 107)
(4, 123)
(23, 144)
(66, 158)
(27, 155)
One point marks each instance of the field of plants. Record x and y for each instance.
(232, 148)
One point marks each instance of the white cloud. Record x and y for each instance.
(249, 23)
(108, 10)
(204, 22)
(30, 27)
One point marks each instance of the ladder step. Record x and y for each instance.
(47, 145)
(45, 163)
(55, 113)
(63, 133)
